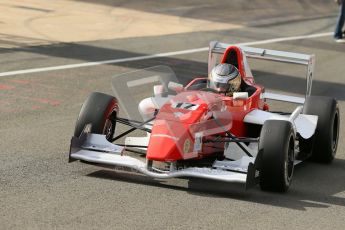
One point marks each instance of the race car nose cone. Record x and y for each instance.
(163, 148)
(169, 141)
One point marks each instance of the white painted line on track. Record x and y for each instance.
(168, 54)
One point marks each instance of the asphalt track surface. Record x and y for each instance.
(40, 190)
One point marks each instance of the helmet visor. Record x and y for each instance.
(219, 87)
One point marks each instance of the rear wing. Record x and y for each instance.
(271, 55)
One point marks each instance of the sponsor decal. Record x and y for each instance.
(186, 146)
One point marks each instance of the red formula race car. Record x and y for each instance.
(193, 131)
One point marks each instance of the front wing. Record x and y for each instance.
(95, 149)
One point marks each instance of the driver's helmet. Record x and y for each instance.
(225, 78)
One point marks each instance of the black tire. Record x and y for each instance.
(323, 144)
(276, 152)
(99, 110)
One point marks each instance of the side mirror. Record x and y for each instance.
(175, 87)
(240, 95)
(158, 90)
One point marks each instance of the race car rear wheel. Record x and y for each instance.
(276, 153)
(323, 144)
(98, 110)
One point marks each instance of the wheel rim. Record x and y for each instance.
(335, 133)
(289, 163)
(108, 129)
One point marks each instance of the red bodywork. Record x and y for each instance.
(189, 112)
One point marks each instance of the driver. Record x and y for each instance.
(225, 78)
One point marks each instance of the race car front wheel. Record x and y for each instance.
(276, 153)
(99, 110)
(323, 144)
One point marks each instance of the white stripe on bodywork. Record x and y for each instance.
(282, 97)
(305, 124)
(165, 135)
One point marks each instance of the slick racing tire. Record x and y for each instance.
(276, 152)
(323, 144)
(98, 110)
